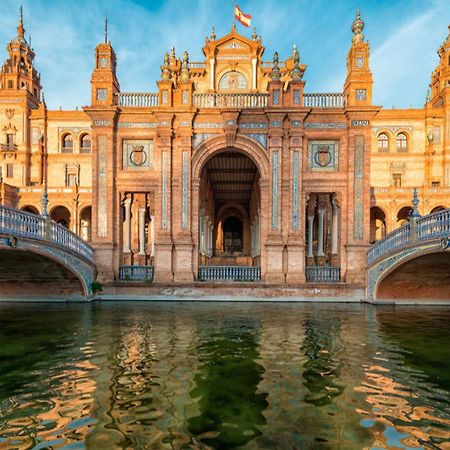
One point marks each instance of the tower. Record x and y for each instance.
(104, 82)
(358, 84)
(440, 78)
(18, 72)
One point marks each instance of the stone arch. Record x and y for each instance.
(61, 214)
(30, 208)
(216, 145)
(437, 208)
(377, 223)
(222, 210)
(403, 215)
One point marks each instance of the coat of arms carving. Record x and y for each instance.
(323, 156)
(9, 113)
(138, 156)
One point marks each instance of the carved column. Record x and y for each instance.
(142, 231)
(127, 224)
(310, 238)
(320, 245)
(335, 234)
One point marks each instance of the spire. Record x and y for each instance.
(275, 73)
(296, 73)
(357, 27)
(20, 28)
(166, 71)
(254, 35)
(415, 203)
(106, 29)
(212, 36)
(185, 67)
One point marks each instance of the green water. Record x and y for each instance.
(223, 376)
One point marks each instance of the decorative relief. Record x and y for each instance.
(276, 123)
(361, 94)
(325, 125)
(392, 128)
(296, 141)
(252, 125)
(359, 188)
(164, 191)
(102, 63)
(74, 130)
(164, 123)
(295, 160)
(360, 123)
(233, 81)
(258, 137)
(102, 200)
(275, 190)
(275, 141)
(208, 125)
(9, 113)
(136, 125)
(296, 123)
(230, 123)
(323, 155)
(198, 138)
(184, 197)
(137, 154)
(185, 123)
(276, 97)
(102, 123)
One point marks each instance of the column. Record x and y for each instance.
(142, 231)
(152, 235)
(127, 224)
(254, 73)
(320, 251)
(211, 73)
(310, 236)
(335, 228)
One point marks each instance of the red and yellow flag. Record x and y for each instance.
(243, 18)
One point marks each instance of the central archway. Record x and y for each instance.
(228, 188)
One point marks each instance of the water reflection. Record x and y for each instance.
(223, 376)
(226, 383)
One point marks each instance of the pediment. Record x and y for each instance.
(234, 44)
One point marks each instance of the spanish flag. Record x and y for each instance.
(243, 18)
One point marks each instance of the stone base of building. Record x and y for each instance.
(226, 292)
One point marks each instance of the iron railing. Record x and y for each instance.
(137, 99)
(234, 273)
(8, 147)
(29, 225)
(432, 226)
(230, 100)
(323, 274)
(334, 100)
(136, 273)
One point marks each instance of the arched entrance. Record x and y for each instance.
(377, 224)
(403, 215)
(86, 223)
(30, 209)
(61, 215)
(229, 217)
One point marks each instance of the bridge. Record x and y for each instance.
(42, 259)
(412, 262)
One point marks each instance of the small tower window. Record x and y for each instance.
(402, 142)
(383, 142)
(10, 84)
(85, 144)
(67, 144)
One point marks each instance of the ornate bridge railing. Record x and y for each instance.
(332, 100)
(432, 226)
(137, 99)
(136, 273)
(230, 100)
(323, 274)
(234, 273)
(23, 224)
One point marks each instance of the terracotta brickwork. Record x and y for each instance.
(229, 164)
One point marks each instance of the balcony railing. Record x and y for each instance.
(136, 273)
(230, 100)
(324, 100)
(29, 225)
(323, 274)
(432, 226)
(137, 99)
(8, 147)
(197, 65)
(67, 149)
(85, 149)
(233, 273)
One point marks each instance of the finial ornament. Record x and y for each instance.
(233, 27)
(185, 67)
(165, 71)
(212, 36)
(415, 203)
(296, 73)
(20, 28)
(106, 29)
(357, 28)
(275, 74)
(172, 52)
(254, 35)
(428, 97)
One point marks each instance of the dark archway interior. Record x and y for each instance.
(425, 277)
(232, 235)
(30, 209)
(26, 274)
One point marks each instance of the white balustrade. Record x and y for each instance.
(230, 100)
(319, 100)
(137, 99)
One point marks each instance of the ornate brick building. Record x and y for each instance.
(231, 170)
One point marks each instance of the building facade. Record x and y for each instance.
(230, 170)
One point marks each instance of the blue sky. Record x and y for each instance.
(403, 34)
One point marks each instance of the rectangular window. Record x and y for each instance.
(72, 179)
(296, 97)
(9, 170)
(397, 180)
(10, 84)
(437, 135)
(435, 184)
(276, 97)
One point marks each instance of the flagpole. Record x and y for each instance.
(233, 24)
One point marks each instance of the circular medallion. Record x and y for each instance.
(323, 156)
(137, 156)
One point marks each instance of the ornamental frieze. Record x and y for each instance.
(392, 128)
(137, 125)
(198, 138)
(320, 125)
(208, 125)
(252, 125)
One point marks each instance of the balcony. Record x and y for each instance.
(333, 100)
(230, 100)
(137, 99)
(68, 149)
(229, 273)
(136, 273)
(323, 274)
(8, 147)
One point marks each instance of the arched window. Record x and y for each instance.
(85, 144)
(67, 143)
(402, 142)
(233, 81)
(383, 142)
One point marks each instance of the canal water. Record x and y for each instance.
(224, 376)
